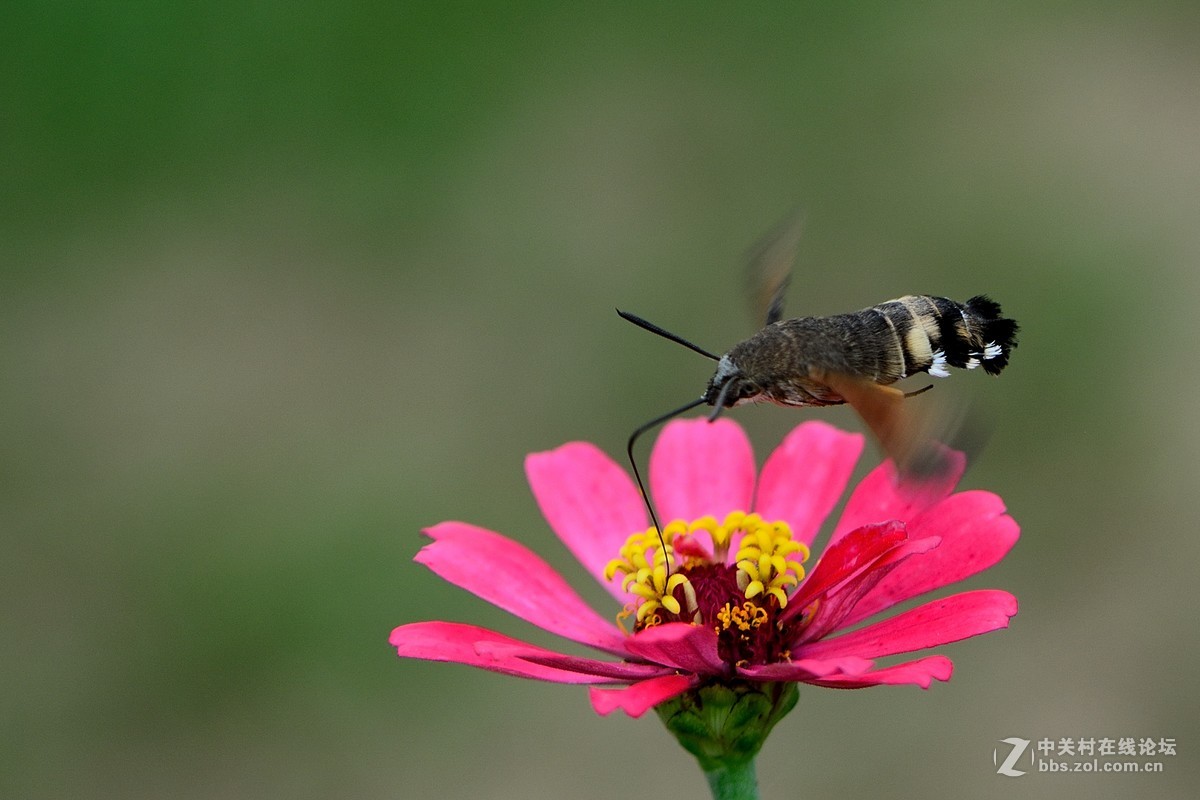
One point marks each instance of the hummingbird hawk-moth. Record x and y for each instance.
(849, 358)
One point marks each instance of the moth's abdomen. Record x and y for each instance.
(931, 333)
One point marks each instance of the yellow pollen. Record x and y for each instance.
(722, 533)
(643, 569)
(745, 617)
(634, 562)
(768, 562)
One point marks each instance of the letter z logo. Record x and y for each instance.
(1018, 749)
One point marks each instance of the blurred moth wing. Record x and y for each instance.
(917, 436)
(769, 267)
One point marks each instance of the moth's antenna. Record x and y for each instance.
(638, 475)
(650, 326)
(633, 437)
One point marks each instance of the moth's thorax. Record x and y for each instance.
(770, 367)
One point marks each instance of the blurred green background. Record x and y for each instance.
(281, 283)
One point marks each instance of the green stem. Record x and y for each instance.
(733, 781)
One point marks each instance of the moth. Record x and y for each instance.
(849, 358)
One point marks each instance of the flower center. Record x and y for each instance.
(739, 596)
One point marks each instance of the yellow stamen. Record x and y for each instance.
(768, 561)
(764, 566)
(633, 554)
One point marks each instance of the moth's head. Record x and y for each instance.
(730, 386)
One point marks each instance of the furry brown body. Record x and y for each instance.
(790, 362)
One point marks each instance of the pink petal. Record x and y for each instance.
(510, 576)
(921, 672)
(880, 498)
(838, 603)
(590, 502)
(846, 572)
(806, 476)
(940, 622)
(477, 647)
(975, 534)
(691, 648)
(639, 698)
(843, 559)
(623, 671)
(699, 468)
(689, 545)
(806, 670)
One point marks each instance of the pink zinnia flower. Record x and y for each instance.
(742, 604)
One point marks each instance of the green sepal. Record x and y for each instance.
(724, 725)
